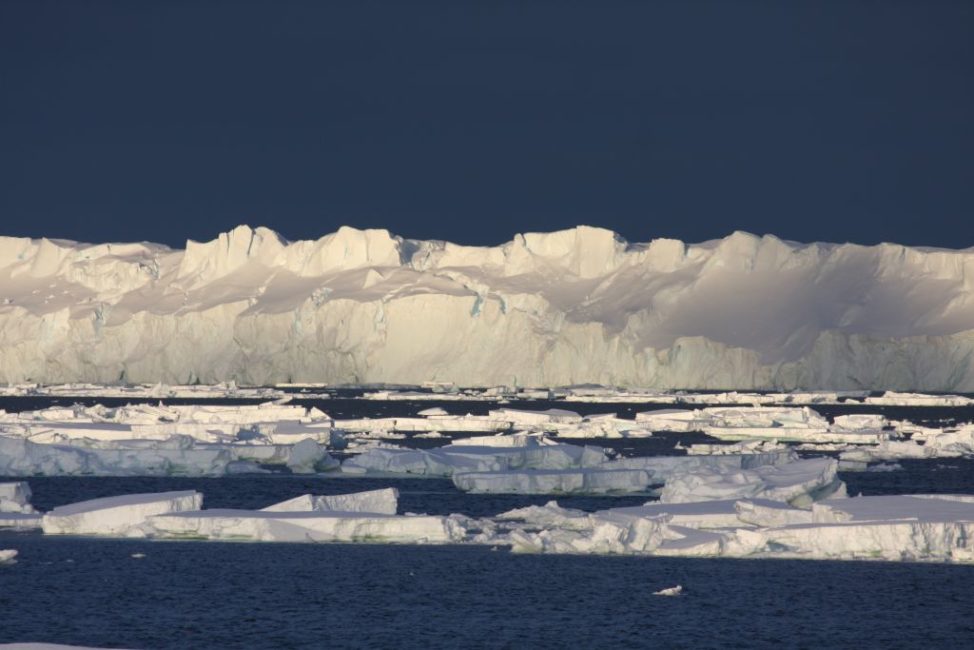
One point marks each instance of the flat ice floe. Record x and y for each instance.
(589, 480)
(384, 501)
(357, 517)
(799, 483)
(209, 439)
(916, 528)
(196, 440)
(291, 526)
(448, 460)
(21, 457)
(121, 516)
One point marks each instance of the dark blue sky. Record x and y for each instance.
(840, 121)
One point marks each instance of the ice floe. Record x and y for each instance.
(121, 516)
(15, 498)
(589, 480)
(798, 483)
(384, 501)
(448, 460)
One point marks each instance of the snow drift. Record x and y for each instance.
(567, 307)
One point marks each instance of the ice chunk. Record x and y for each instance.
(673, 420)
(271, 526)
(554, 481)
(698, 514)
(670, 591)
(764, 513)
(436, 410)
(503, 440)
(308, 456)
(121, 516)
(7, 556)
(664, 467)
(799, 483)
(446, 461)
(15, 497)
(549, 515)
(860, 422)
(384, 501)
(600, 532)
(180, 455)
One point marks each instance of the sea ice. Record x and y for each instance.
(384, 501)
(798, 483)
(121, 516)
(587, 480)
(287, 526)
(445, 461)
(15, 497)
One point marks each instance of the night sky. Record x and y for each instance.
(472, 121)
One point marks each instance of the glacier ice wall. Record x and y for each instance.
(574, 306)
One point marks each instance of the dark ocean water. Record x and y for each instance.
(218, 595)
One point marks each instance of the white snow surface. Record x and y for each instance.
(568, 307)
(307, 526)
(587, 480)
(798, 483)
(384, 501)
(452, 459)
(121, 516)
(904, 527)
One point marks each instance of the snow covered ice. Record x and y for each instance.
(560, 308)
(450, 459)
(121, 516)
(362, 516)
(16, 511)
(384, 501)
(306, 526)
(15, 497)
(800, 482)
(587, 480)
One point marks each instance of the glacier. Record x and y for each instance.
(545, 309)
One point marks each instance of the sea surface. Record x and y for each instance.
(187, 594)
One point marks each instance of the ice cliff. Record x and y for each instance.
(567, 307)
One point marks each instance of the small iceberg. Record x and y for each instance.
(670, 591)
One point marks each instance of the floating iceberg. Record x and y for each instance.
(290, 526)
(925, 527)
(919, 527)
(798, 483)
(664, 467)
(15, 497)
(670, 591)
(121, 516)
(589, 480)
(600, 532)
(384, 501)
(451, 459)
(20, 457)
(7, 556)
